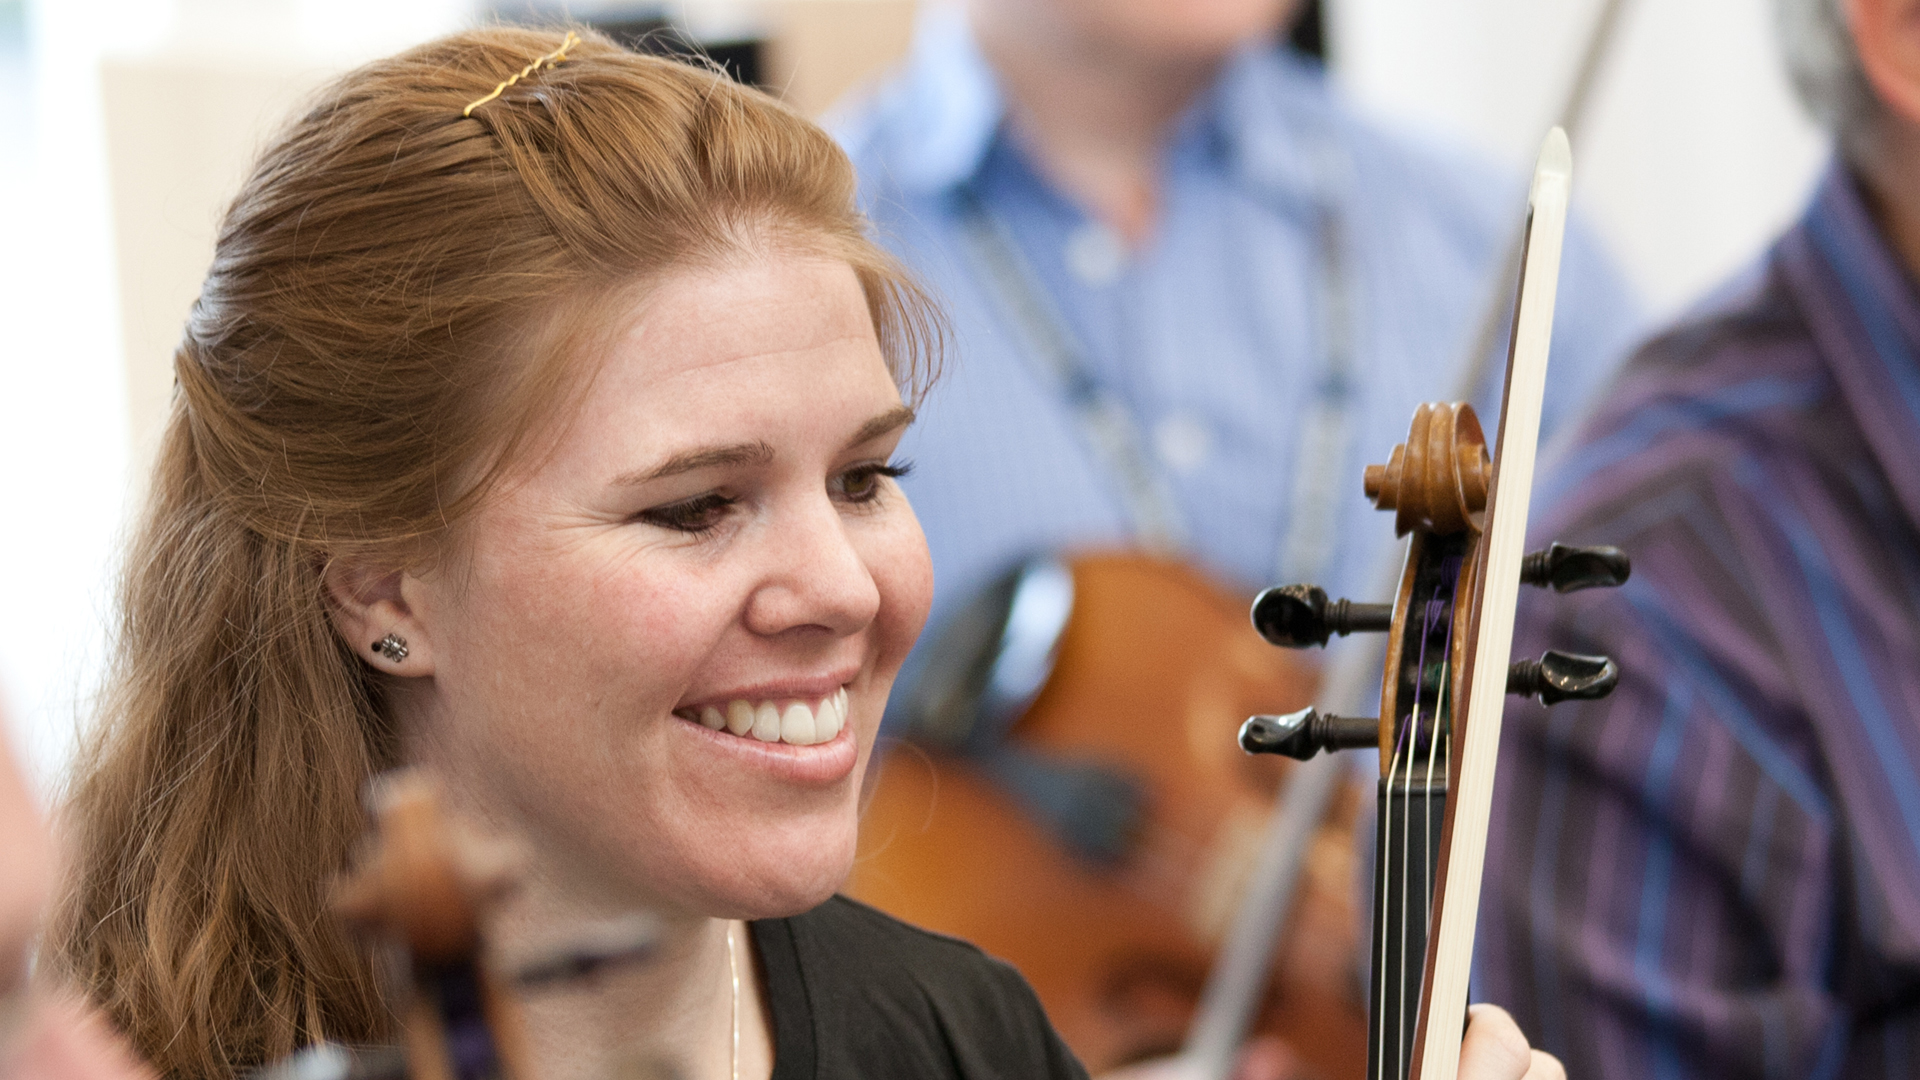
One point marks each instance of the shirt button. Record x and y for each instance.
(1095, 254)
(1184, 441)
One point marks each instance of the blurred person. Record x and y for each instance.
(44, 1033)
(1716, 871)
(1192, 287)
(535, 425)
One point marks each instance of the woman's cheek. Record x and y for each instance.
(903, 570)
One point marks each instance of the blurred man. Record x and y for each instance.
(1716, 871)
(1193, 292)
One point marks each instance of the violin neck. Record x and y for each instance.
(451, 1033)
(1412, 810)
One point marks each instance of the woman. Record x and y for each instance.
(534, 425)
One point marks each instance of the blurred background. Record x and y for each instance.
(126, 124)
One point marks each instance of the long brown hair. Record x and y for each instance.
(382, 326)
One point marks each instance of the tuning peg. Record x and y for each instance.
(1570, 569)
(1297, 616)
(1300, 735)
(1559, 676)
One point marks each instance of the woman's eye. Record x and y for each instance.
(696, 515)
(861, 484)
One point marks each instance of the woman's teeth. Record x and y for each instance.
(797, 724)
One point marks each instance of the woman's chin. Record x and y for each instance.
(778, 896)
(770, 879)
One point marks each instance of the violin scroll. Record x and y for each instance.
(1435, 482)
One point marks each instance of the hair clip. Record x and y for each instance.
(551, 59)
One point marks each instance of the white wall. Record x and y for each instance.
(63, 429)
(1695, 152)
(97, 267)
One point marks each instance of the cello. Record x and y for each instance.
(1446, 677)
(1106, 859)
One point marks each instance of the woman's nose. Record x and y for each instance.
(815, 576)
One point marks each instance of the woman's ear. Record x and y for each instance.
(375, 611)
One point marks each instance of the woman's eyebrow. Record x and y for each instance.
(890, 421)
(753, 453)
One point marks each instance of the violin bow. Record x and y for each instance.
(1446, 677)
(1239, 975)
(1496, 590)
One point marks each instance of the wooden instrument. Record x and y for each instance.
(1109, 684)
(419, 891)
(1446, 677)
(419, 888)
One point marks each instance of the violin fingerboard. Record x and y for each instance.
(454, 996)
(1407, 847)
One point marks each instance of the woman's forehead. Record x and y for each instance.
(766, 347)
(751, 305)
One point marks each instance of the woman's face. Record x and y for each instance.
(665, 658)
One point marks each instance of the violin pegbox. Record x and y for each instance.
(420, 886)
(1436, 485)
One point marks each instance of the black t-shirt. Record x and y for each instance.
(857, 993)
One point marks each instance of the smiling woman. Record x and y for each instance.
(534, 426)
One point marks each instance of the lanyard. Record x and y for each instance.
(1306, 548)
(1110, 426)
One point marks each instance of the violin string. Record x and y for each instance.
(1406, 842)
(1406, 863)
(1442, 715)
(1381, 970)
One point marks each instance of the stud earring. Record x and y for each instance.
(393, 647)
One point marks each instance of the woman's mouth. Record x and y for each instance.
(796, 723)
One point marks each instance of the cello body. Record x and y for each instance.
(1155, 668)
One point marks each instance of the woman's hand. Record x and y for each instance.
(1494, 1049)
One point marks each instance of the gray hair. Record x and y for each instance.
(1824, 67)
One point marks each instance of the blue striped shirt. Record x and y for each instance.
(1209, 334)
(1716, 871)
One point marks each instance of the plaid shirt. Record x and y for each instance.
(1716, 872)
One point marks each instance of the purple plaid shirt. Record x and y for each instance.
(1716, 872)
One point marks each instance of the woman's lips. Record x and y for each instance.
(795, 723)
(819, 763)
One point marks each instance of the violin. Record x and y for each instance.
(1442, 692)
(419, 892)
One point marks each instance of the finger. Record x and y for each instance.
(1546, 1067)
(1493, 1048)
